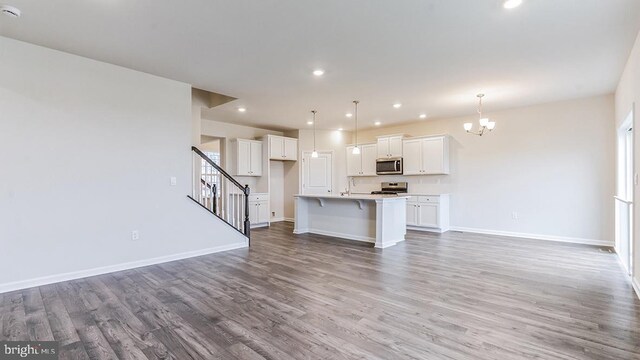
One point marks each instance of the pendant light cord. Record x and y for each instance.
(356, 116)
(314, 129)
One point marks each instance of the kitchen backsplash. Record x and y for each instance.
(432, 185)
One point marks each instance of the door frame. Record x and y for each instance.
(301, 169)
(625, 184)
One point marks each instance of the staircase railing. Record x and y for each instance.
(218, 192)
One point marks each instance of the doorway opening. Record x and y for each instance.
(625, 179)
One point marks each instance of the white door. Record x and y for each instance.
(383, 148)
(276, 147)
(368, 159)
(412, 160)
(428, 215)
(354, 162)
(290, 149)
(395, 146)
(244, 162)
(317, 173)
(433, 156)
(256, 158)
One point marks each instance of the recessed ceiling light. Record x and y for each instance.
(349, 115)
(340, 129)
(511, 4)
(241, 109)
(423, 116)
(318, 72)
(309, 122)
(397, 105)
(10, 11)
(377, 123)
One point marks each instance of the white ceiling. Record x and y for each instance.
(433, 56)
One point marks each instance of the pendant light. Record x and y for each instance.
(356, 149)
(485, 123)
(314, 154)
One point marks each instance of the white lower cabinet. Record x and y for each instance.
(259, 210)
(428, 212)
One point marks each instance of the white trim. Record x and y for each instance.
(426, 229)
(45, 280)
(337, 235)
(280, 219)
(535, 236)
(636, 286)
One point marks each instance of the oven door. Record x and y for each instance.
(389, 166)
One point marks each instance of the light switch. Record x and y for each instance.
(174, 181)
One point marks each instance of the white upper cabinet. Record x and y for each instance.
(426, 155)
(247, 157)
(412, 161)
(283, 148)
(369, 154)
(363, 164)
(390, 146)
(290, 149)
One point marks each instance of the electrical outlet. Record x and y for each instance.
(135, 235)
(174, 181)
(514, 215)
(273, 214)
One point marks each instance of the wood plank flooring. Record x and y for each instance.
(450, 296)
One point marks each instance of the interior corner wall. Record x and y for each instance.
(627, 97)
(552, 164)
(87, 152)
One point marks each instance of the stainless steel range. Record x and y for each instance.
(392, 188)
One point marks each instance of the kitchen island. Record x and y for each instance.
(378, 219)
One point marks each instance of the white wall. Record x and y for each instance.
(553, 164)
(628, 94)
(87, 151)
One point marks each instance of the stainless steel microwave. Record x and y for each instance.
(390, 166)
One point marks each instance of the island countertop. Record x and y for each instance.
(354, 196)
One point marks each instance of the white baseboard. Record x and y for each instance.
(45, 280)
(636, 286)
(426, 229)
(336, 234)
(534, 236)
(277, 219)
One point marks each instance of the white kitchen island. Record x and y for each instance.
(378, 219)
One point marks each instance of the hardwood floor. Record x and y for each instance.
(451, 296)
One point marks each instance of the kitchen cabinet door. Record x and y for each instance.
(412, 160)
(383, 148)
(369, 153)
(290, 149)
(354, 162)
(243, 158)
(433, 156)
(256, 158)
(253, 213)
(276, 148)
(263, 212)
(428, 215)
(412, 214)
(395, 146)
